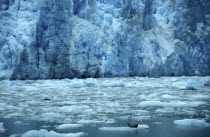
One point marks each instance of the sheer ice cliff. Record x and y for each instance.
(42, 39)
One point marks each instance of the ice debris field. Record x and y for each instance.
(108, 103)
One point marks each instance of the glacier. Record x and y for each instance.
(42, 39)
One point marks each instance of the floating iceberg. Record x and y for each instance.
(192, 123)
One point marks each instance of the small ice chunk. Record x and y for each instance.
(90, 82)
(68, 126)
(18, 122)
(113, 84)
(45, 133)
(2, 129)
(168, 96)
(192, 123)
(143, 126)
(121, 129)
(117, 129)
(45, 126)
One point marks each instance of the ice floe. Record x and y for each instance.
(122, 129)
(45, 133)
(68, 126)
(192, 123)
(2, 129)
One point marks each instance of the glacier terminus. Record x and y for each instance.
(45, 39)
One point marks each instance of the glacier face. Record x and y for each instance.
(42, 39)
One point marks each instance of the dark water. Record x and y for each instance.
(164, 128)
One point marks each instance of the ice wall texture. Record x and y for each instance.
(46, 39)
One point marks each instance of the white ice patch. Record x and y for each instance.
(68, 126)
(187, 84)
(45, 133)
(198, 96)
(175, 104)
(2, 129)
(90, 82)
(192, 123)
(18, 123)
(166, 96)
(112, 84)
(164, 111)
(123, 129)
(89, 121)
(143, 126)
